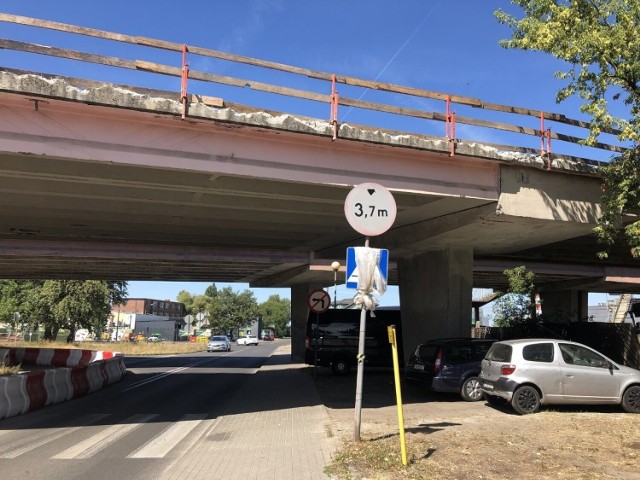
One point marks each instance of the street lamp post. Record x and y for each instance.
(335, 266)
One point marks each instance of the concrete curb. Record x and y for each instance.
(79, 372)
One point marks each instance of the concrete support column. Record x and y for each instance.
(435, 296)
(565, 305)
(299, 315)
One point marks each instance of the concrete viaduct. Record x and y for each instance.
(99, 181)
(113, 184)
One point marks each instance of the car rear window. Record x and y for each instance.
(538, 352)
(464, 352)
(499, 352)
(427, 352)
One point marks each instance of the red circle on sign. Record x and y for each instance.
(319, 301)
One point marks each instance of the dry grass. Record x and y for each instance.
(567, 444)
(127, 348)
(9, 370)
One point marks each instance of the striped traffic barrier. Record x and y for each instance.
(94, 377)
(79, 380)
(45, 356)
(15, 390)
(36, 391)
(74, 357)
(60, 357)
(87, 372)
(58, 385)
(5, 401)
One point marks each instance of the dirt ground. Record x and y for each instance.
(448, 438)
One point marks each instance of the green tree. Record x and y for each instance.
(186, 299)
(276, 311)
(517, 306)
(75, 304)
(232, 310)
(600, 42)
(211, 291)
(22, 297)
(57, 304)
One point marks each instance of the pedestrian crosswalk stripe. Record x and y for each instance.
(19, 447)
(168, 438)
(104, 438)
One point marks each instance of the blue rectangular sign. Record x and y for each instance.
(352, 268)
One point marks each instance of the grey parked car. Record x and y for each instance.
(533, 372)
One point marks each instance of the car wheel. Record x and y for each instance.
(471, 390)
(526, 399)
(340, 365)
(631, 399)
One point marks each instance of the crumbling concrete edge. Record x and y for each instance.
(167, 103)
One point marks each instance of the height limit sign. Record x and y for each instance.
(370, 209)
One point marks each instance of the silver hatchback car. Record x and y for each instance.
(219, 343)
(533, 372)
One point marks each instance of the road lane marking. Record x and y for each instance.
(20, 447)
(160, 376)
(169, 437)
(106, 437)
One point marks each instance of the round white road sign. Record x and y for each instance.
(370, 209)
(319, 301)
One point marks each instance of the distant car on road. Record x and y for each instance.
(248, 340)
(529, 373)
(219, 343)
(154, 337)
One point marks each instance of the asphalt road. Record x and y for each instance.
(134, 429)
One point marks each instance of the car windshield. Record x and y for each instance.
(218, 339)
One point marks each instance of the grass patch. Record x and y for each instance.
(126, 348)
(567, 445)
(9, 370)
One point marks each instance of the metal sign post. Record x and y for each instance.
(360, 371)
(371, 210)
(318, 302)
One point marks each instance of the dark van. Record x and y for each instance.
(336, 336)
(449, 365)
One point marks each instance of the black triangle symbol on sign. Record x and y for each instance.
(371, 191)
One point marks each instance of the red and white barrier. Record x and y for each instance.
(80, 372)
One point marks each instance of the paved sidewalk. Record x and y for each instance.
(277, 429)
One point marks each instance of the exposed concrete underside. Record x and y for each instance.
(108, 183)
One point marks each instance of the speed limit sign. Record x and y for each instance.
(319, 301)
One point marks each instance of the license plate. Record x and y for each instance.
(418, 367)
(487, 386)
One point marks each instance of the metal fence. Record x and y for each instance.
(618, 341)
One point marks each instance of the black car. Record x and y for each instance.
(449, 365)
(332, 339)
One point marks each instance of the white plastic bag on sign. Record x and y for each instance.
(370, 278)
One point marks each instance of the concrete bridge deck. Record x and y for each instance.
(110, 182)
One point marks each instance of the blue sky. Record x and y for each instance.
(442, 45)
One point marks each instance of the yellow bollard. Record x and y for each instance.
(391, 330)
